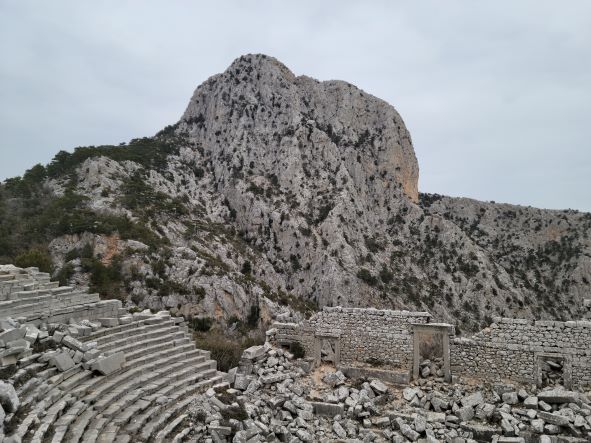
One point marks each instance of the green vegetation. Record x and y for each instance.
(34, 257)
(365, 275)
(201, 324)
(31, 216)
(224, 349)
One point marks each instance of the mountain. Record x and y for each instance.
(277, 192)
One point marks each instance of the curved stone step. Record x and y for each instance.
(131, 343)
(51, 415)
(156, 389)
(146, 363)
(180, 436)
(122, 331)
(152, 419)
(118, 386)
(170, 427)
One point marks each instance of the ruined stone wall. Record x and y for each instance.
(363, 334)
(511, 349)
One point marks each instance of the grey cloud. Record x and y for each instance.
(496, 95)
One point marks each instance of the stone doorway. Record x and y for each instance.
(431, 350)
(327, 349)
(553, 369)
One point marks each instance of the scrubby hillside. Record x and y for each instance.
(275, 190)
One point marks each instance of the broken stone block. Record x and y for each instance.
(510, 398)
(333, 379)
(253, 352)
(74, 344)
(110, 364)
(109, 322)
(62, 361)
(409, 393)
(465, 413)
(554, 396)
(473, 400)
(339, 430)
(91, 354)
(537, 425)
(12, 334)
(31, 333)
(58, 336)
(554, 419)
(530, 403)
(242, 381)
(378, 387)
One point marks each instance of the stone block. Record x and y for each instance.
(58, 336)
(125, 320)
(378, 387)
(473, 400)
(12, 334)
(554, 396)
(531, 402)
(328, 409)
(109, 322)
(110, 364)
(242, 381)
(62, 361)
(554, 419)
(74, 344)
(253, 352)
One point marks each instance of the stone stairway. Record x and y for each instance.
(30, 295)
(144, 399)
(140, 402)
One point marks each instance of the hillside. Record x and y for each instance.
(276, 191)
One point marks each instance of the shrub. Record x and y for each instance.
(367, 277)
(386, 275)
(34, 257)
(225, 350)
(246, 268)
(201, 324)
(65, 274)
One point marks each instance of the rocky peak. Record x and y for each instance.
(259, 114)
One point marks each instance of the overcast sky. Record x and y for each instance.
(497, 95)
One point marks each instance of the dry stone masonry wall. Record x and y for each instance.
(513, 349)
(364, 335)
(516, 349)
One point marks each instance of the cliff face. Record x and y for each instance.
(259, 119)
(275, 191)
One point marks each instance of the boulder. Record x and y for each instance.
(8, 397)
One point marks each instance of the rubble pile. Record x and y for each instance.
(276, 398)
(431, 368)
(552, 372)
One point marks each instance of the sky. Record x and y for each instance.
(496, 95)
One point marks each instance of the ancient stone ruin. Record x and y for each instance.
(76, 368)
